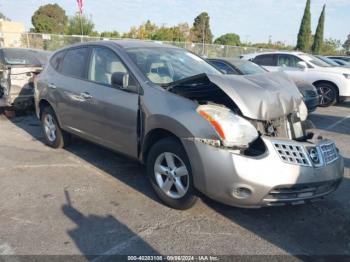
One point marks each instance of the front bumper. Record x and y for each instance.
(4, 102)
(344, 88)
(222, 174)
(312, 102)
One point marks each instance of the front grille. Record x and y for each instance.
(329, 153)
(302, 191)
(292, 154)
(320, 155)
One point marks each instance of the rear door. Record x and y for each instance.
(68, 85)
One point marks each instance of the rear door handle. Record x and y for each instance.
(85, 95)
(52, 86)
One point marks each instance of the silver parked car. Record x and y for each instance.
(240, 140)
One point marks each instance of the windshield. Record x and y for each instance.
(314, 60)
(22, 57)
(249, 68)
(327, 60)
(163, 66)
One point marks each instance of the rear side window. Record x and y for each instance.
(74, 62)
(57, 59)
(265, 60)
(224, 67)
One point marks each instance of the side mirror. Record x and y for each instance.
(120, 80)
(302, 65)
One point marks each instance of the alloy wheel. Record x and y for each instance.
(50, 127)
(171, 175)
(327, 95)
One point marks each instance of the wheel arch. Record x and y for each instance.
(318, 82)
(152, 137)
(44, 103)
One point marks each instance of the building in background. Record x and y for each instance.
(11, 33)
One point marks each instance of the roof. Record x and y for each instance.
(227, 59)
(252, 55)
(126, 44)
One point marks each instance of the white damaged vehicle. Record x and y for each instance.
(332, 83)
(18, 67)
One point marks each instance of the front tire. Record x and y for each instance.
(328, 94)
(169, 172)
(53, 135)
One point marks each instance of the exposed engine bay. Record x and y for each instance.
(270, 102)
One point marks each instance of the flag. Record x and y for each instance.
(80, 5)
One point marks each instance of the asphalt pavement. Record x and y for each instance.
(89, 200)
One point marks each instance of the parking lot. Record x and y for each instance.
(88, 200)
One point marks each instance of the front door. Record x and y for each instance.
(110, 113)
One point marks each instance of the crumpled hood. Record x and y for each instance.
(262, 96)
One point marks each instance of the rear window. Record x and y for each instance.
(265, 60)
(74, 62)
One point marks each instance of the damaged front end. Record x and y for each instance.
(265, 152)
(16, 86)
(242, 108)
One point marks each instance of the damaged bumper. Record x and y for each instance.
(289, 172)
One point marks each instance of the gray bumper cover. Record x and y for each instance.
(219, 172)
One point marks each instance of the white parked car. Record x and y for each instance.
(332, 83)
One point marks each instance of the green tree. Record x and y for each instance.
(50, 18)
(177, 33)
(346, 45)
(200, 31)
(112, 34)
(75, 22)
(304, 35)
(144, 31)
(331, 47)
(2, 16)
(318, 40)
(228, 39)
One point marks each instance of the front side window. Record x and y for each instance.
(74, 62)
(288, 61)
(104, 62)
(163, 66)
(265, 60)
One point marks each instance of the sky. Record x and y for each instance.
(253, 20)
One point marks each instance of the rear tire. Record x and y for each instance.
(328, 94)
(54, 136)
(169, 172)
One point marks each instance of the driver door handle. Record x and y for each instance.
(85, 95)
(52, 86)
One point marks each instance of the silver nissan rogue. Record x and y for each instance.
(241, 140)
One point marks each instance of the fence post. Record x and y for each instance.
(27, 40)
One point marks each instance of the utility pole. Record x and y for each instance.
(203, 36)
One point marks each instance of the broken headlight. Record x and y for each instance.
(233, 130)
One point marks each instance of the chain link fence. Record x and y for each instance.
(52, 42)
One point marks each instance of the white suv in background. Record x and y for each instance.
(332, 83)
